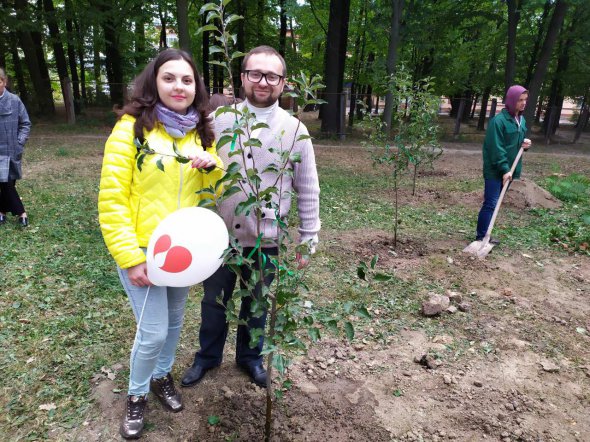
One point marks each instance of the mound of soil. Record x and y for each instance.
(525, 194)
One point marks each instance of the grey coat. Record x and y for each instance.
(14, 131)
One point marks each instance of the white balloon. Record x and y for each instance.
(186, 247)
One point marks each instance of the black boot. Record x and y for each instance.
(132, 424)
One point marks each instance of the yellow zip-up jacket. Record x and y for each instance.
(131, 203)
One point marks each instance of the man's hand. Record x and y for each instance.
(138, 275)
(302, 260)
(526, 144)
(506, 177)
(202, 160)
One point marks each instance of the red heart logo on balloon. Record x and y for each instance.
(162, 244)
(178, 259)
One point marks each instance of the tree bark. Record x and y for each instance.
(260, 22)
(544, 58)
(513, 17)
(359, 49)
(184, 40)
(70, 38)
(541, 25)
(283, 27)
(556, 91)
(97, 40)
(334, 65)
(44, 98)
(163, 21)
(18, 71)
(205, 56)
(140, 44)
(113, 58)
(240, 46)
(56, 43)
(397, 7)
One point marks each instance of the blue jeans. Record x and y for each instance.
(214, 326)
(492, 190)
(152, 355)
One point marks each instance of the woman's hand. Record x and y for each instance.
(506, 177)
(202, 160)
(138, 275)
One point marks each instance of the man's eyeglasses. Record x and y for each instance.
(271, 78)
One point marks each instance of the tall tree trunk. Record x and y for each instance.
(544, 57)
(113, 57)
(81, 59)
(140, 45)
(484, 108)
(41, 85)
(240, 46)
(397, 7)
(205, 68)
(541, 30)
(357, 58)
(513, 18)
(184, 40)
(334, 65)
(40, 52)
(283, 27)
(56, 43)
(96, 62)
(261, 6)
(205, 56)
(293, 39)
(70, 38)
(556, 91)
(18, 71)
(163, 21)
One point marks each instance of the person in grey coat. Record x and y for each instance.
(14, 131)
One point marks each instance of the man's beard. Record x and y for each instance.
(267, 101)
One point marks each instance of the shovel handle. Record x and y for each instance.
(486, 239)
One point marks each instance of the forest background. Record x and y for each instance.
(472, 49)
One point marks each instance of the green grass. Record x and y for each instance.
(63, 314)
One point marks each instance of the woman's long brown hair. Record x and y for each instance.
(142, 104)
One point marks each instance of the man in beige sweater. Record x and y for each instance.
(263, 80)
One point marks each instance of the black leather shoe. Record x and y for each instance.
(23, 221)
(2, 219)
(193, 375)
(132, 424)
(257, 374)
(164, 390)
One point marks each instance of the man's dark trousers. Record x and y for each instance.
(214, 327)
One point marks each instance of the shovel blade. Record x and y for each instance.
(479, 248)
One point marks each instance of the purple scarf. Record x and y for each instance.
(177, 125)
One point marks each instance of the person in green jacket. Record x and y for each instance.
(504, 137)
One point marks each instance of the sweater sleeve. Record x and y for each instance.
(114, 209)
(498, 153)
(306, 185)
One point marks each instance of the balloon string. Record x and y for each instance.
(143, 308)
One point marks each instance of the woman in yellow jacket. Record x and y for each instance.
(167, 117)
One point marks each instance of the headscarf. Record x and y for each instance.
(512, 96)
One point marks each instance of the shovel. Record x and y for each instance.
(482, 247)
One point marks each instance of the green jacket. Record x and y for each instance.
(500, 147)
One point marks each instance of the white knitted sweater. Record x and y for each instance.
(283, 129)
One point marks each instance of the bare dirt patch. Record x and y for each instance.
(515, 367)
